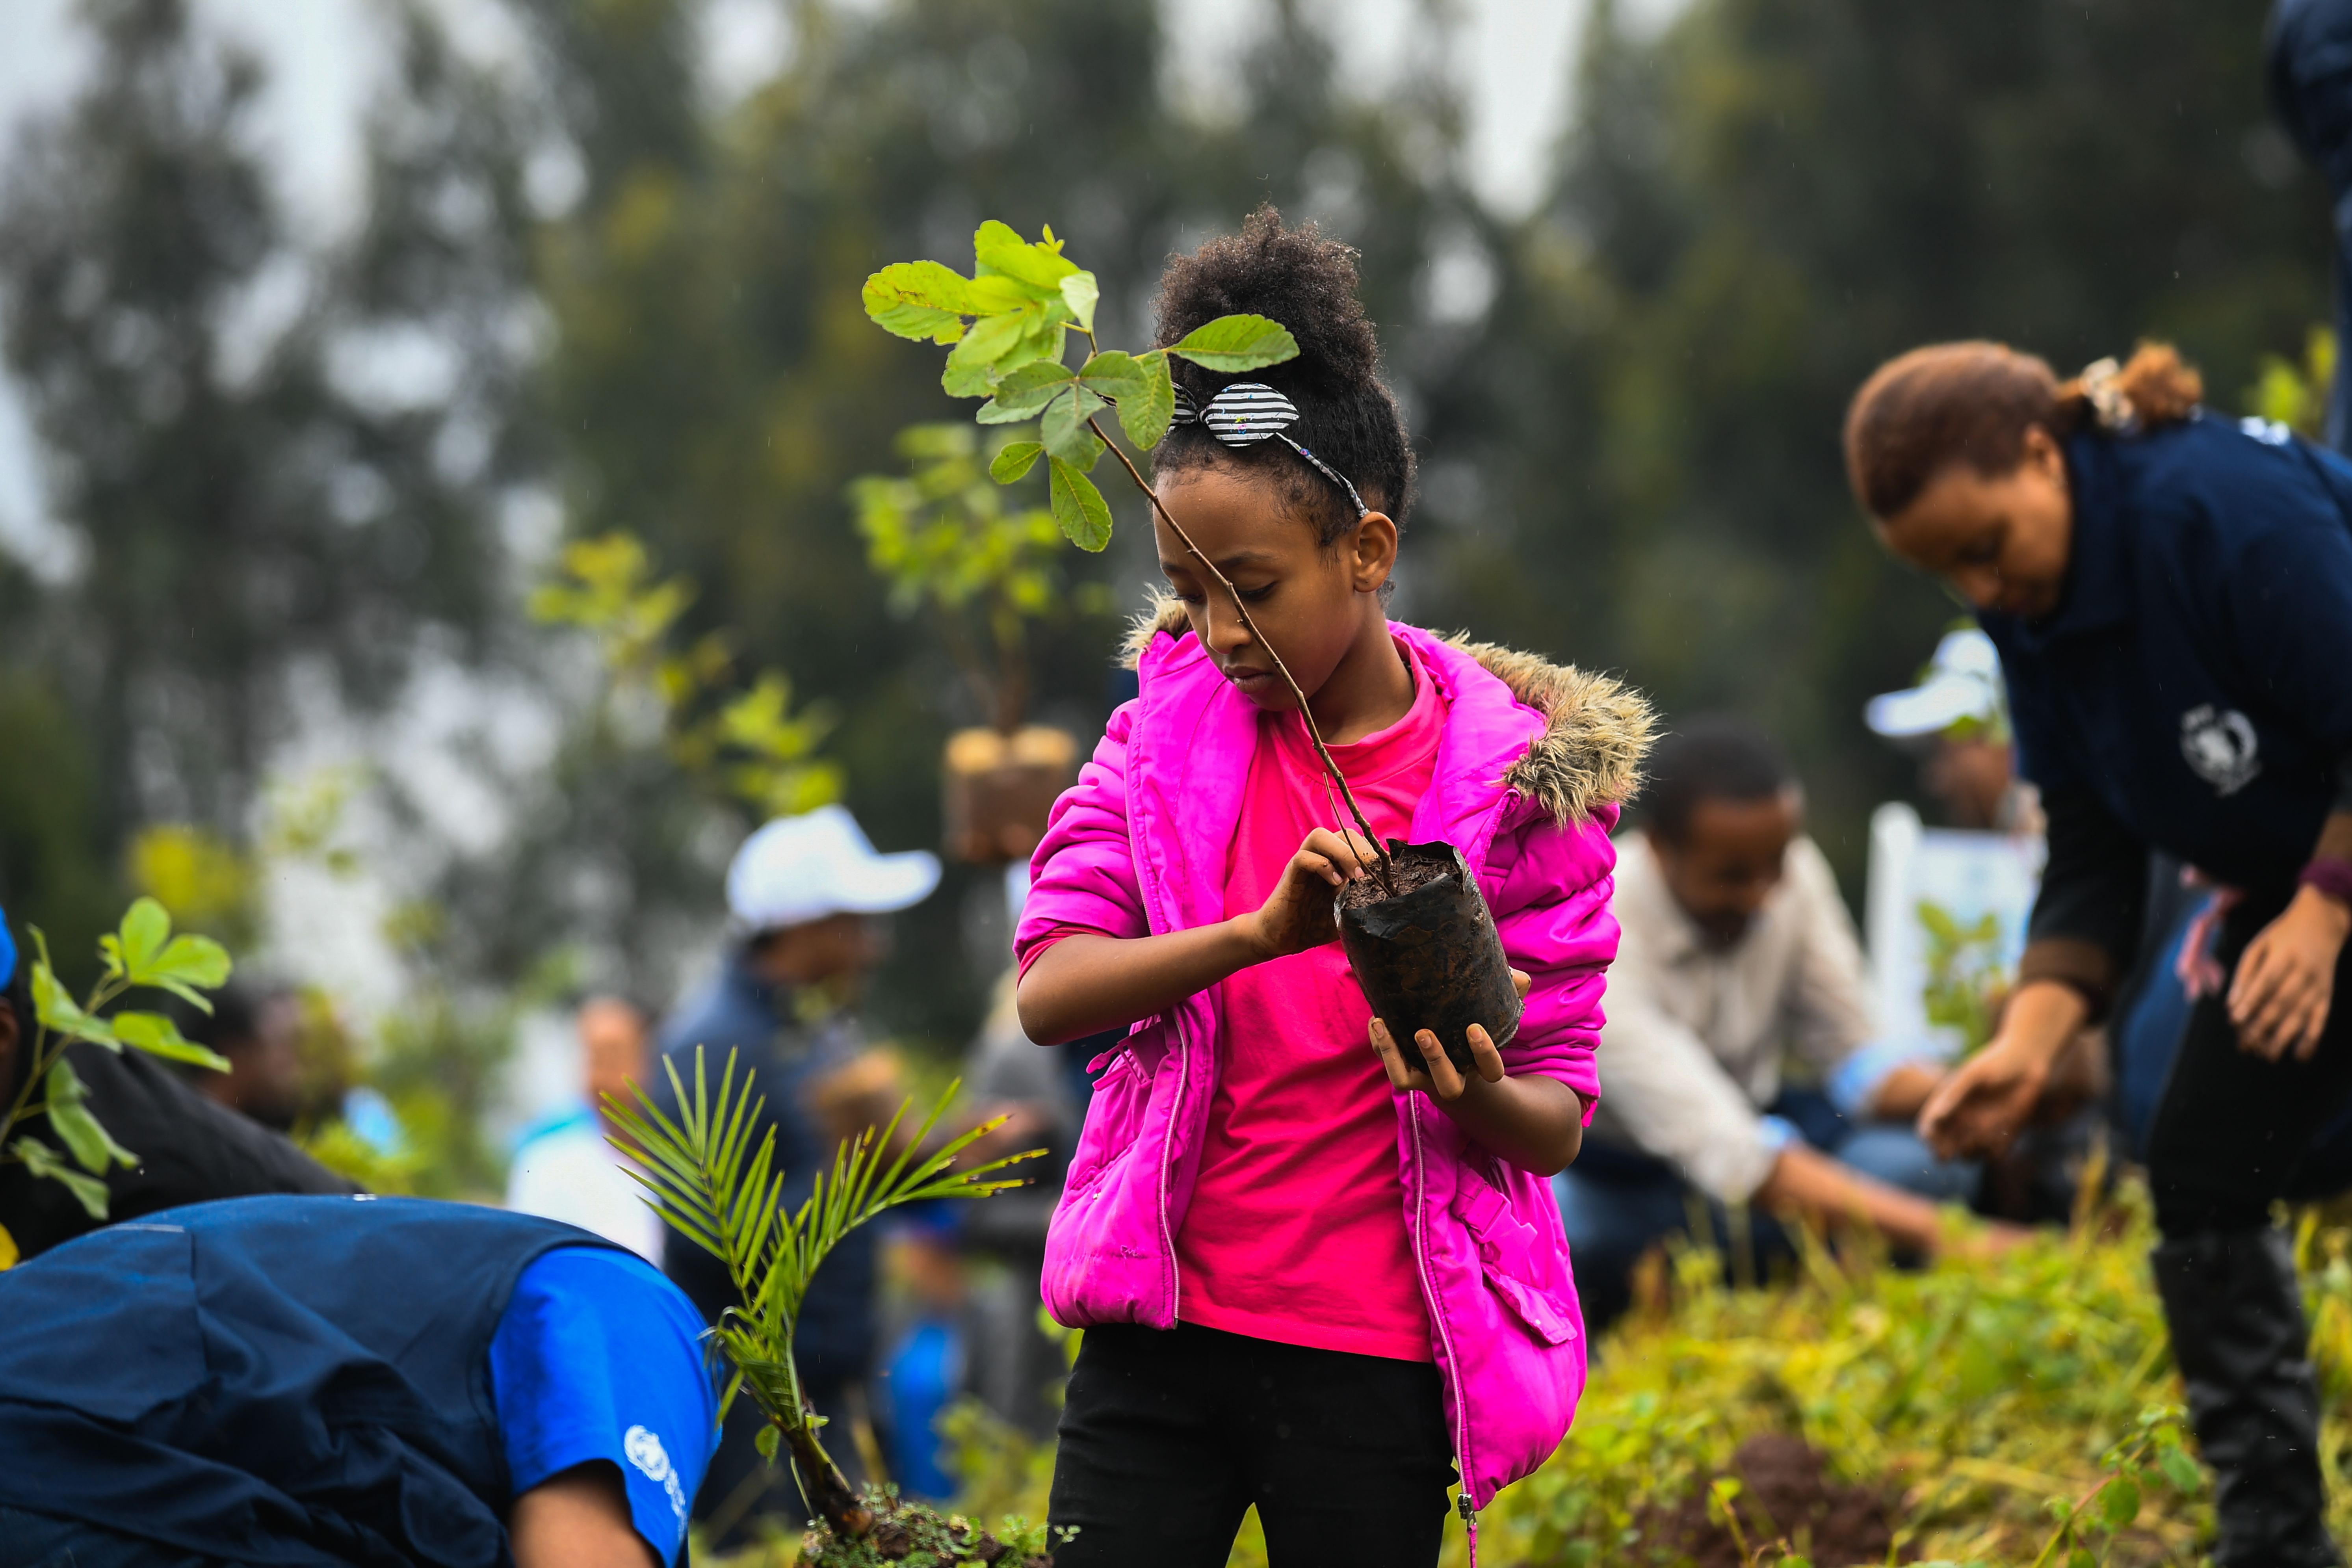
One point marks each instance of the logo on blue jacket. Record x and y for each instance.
(2221, 747)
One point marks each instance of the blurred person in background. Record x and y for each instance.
(564, 1168)
(2172, 594)
(1737, 955)
(259, 1030)
(803, 894)
(1956, 721)
(1945, 912)
(2308, 63)
(191, 1148)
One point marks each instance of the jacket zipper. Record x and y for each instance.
(1437, 1319)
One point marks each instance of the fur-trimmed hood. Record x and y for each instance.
(1600, 728)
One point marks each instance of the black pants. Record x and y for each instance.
(2232, 1130)
(1168, 1437)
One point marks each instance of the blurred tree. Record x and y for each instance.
(715, 384)
(275, 460)
(1754, 209)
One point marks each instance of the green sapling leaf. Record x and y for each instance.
(1065, 431)
(918, 299)
(1015, 461)
(58, 1011)
(992, 338)
(1080, 508)
(765, 1442)
(65, 1097)
(1144, 415)
(1080, 292)
(2180, 1470)
(1023, 392)
(998, 251)
(133, 949)
(42, 1160)
(2119, 1504)
(1114, 372)
(158, 1035)
(1236, 343)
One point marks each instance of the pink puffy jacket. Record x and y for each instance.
(1531, 765)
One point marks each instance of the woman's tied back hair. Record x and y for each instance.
(1346, 415)
(1972, 403)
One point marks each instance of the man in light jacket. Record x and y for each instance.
(1738, 963)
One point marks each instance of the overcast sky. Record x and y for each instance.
(1514, 55)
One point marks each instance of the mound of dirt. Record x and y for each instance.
(1786, 1494)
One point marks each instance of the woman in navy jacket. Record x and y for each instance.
(2172, 593)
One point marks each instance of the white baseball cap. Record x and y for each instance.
(1960, 685)
(801, 869)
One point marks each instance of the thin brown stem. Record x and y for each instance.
(1241, 613)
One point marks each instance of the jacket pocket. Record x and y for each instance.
(1508, 1253)
(1114, 1118)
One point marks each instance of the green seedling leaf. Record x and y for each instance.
(1000, 251)
(1023, 392)
(1005, 296)
(1236, 342)
(2119, 1504)
(58, 1012)
(133, 948)
(918, 299)
(1015, 461)
(42, 1160)
(2180, 1470)
(1065, 431)
(65, 1097)
(1080, 292)
(1115, 373)
(992, 338)
(2082, 1557)
(158, 1035)
(1080, 508)
(766, 1443)
(1144, 415)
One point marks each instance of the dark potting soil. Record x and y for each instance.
(1406, 872)
(1786, 1494)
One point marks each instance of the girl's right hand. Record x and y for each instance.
(1302, 911)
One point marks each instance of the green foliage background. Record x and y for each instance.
(1627, 401)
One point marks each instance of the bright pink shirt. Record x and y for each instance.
(1296, 1232)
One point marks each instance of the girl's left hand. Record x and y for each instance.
(1434, 1073)
(2286, 978)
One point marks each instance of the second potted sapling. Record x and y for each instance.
(1418, 934)
(947, 540)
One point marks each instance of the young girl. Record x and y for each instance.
(2171, 593)
(1315, 1264)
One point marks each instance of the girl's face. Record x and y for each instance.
(2001, 540)
(1313, 602)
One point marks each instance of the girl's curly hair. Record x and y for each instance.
(1348, 416)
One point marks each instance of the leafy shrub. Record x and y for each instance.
(2018, 1408)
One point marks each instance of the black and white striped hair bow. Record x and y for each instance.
(1246, 413)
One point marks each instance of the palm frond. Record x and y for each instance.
(705, 1178)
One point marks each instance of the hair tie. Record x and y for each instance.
(1248, 412)
(2101, 384)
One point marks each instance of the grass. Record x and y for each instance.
(1991, 1397)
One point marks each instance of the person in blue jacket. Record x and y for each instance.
(803, 894)
(313, 1380)
(2172, 594)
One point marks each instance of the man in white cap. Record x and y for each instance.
(803, 893)
(1958, 717)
